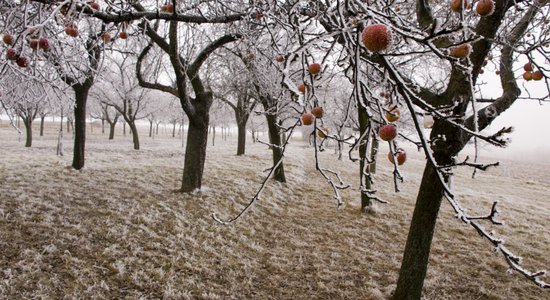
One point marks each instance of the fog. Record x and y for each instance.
(530, 139)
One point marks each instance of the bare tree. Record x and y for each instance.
(118, 88)
(186, 66)
(235, 91)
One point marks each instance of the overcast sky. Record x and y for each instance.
(530, 119)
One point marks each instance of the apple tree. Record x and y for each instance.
(430, 64)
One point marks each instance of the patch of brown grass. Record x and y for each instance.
(117, 229)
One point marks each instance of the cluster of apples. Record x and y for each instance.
(483, 8)
(308, 118)
(530, 74)
(35, 44)
(388, 132)
(313, 69)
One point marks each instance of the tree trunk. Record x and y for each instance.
(124, 128)
(195, 156)
(61, 122)
(150, 128)
(112, 130)
(28, 128)
(42, 125)
(102, 126)
(241, 138)
(59, 150)
(417, 250)
(157, 129)
(275, 139)
(81, 96)
(174, 129)
(135, 137)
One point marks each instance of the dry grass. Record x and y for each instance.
(118, 229)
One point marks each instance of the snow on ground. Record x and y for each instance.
(120, 229)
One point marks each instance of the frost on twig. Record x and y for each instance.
(465, 162)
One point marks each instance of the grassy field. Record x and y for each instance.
(119, 229)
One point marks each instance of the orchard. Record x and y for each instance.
(422, 81)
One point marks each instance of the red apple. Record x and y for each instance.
(456, 5)
(393, 114)
(400, 156)
(527, 76)
(302, 88)
(71, 29)
(461, 51)
(497, 72)
(11, 54)
(8, 39)
(251, 56)
(388, 132)
(485, 7)
(169, 8)
(537, 75)
(22, 61)
(123, 35)
(307, 119)
(106, 37)
(318, 112)
(44, 44)
(259, 15)
(377, 37)
(94, 5)
(33, 43)
(528, 67)
(280, 58)
(314, 68)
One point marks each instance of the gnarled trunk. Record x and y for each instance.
(197, 140)
(275, 139)
(135, 136)
(195, 156)
(417, 250)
